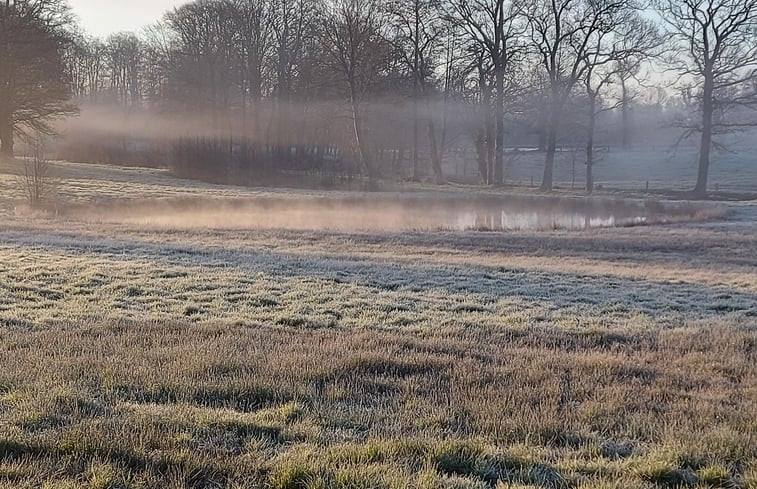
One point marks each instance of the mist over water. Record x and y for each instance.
(389, 212)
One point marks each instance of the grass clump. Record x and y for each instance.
(102, 476)
(714, 475)
(666, 473)
(294, 476)
(457, 458)
(749, 478)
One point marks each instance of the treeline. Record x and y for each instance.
(371, 76)
(392, 86)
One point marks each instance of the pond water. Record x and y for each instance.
(391, 212)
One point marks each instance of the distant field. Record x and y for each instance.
(138, 356)
(662, 166)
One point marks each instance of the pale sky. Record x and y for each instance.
(103, 17)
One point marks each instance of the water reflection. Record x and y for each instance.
(507, 220)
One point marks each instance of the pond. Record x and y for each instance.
(391, 212)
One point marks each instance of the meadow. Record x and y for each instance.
(148, 355)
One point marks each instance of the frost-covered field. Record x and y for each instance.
(175, 356)
(662, 166)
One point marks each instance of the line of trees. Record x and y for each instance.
(392, 80)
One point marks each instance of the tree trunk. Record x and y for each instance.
(491, 149)
(705, 148)
(549, 162)
(359, 139)
(6, 139)
(542, 138)
(626, 128)
(499, 114)
(416, 163)
(243, 96)
(555, 104)
(483, 168)
(436, 160)
(590, 143)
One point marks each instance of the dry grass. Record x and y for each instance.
(612, 358)
(156, 404)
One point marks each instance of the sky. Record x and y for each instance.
(103, 17)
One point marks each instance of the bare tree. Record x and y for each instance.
(205, 74)
(294, 67)
(627, 70)
(85, 59)
(485, 139)
(628, 40)
(124, 59)
(563, 34)
(715, 52)
(36, 181)
(34, 88)
(158, 62)
(495, 27)
(252, 47)
(356, 49)
(418, 27)
(295, 23)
